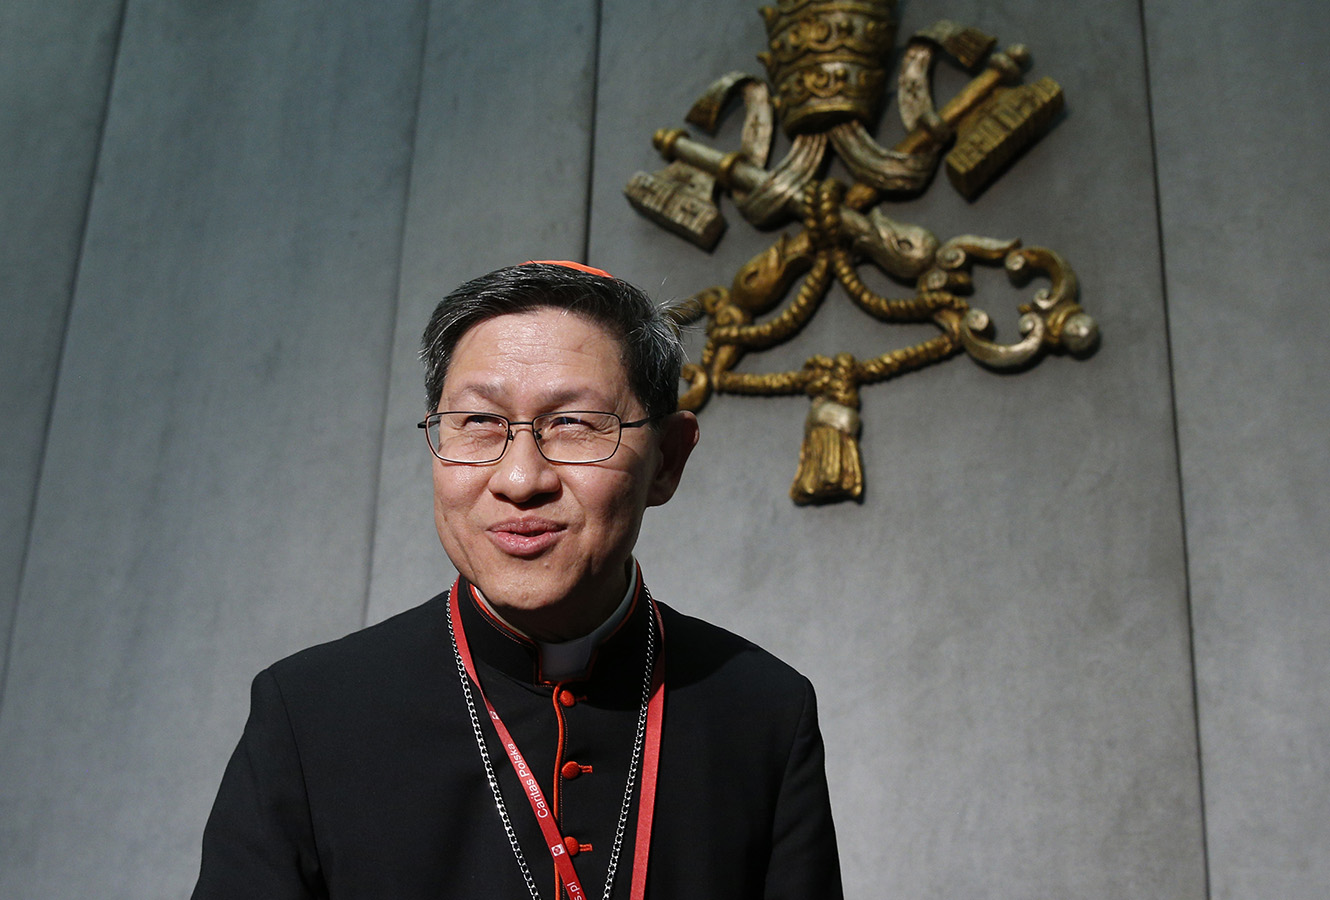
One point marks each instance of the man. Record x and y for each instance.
(545, 728)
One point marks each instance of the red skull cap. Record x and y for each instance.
(568, 264)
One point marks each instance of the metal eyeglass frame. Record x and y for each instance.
(424, 425)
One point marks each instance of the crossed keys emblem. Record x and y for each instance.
(827, 65)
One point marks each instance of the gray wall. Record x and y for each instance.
(1071, 644)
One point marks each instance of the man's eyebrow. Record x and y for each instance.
(479, 390)
(583, 397)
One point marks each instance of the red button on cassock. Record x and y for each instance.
(573, 846)
(571, 770)
(566, 698)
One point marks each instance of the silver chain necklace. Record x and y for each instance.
(493, 780)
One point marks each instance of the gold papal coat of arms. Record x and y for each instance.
(827, 67)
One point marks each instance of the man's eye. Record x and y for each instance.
(479, 422)
(566, 421)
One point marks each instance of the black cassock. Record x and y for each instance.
(358, 774)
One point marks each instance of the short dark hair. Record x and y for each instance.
(652, 352)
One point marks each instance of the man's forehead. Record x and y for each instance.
(551, 313)
(548, 317)
(470, 373)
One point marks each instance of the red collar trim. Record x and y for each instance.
(532, 647)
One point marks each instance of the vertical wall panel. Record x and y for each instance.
(55, 64)
(999, 633)
(500, 176)
(207, 493)
(1242, 132)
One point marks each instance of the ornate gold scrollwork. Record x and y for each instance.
(826, 61)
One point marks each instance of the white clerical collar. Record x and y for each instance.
(561, 660)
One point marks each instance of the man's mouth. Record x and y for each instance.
(524, 538)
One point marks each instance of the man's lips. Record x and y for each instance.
(524, 537)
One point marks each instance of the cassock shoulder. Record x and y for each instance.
(378, 666)
(721, 665)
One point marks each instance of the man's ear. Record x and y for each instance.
(678, 437)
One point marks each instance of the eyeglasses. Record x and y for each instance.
(570, 436)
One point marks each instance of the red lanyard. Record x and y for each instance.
(646, 803)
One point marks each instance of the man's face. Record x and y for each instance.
(549, 544)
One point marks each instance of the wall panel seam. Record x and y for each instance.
(72, 286)
(1177, 445)
(385, 405)
(596, 25)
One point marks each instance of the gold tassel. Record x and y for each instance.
(830, 467)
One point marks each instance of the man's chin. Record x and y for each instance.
(522, 600)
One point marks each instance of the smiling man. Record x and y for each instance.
(544, 729)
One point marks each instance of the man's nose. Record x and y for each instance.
(523, 472)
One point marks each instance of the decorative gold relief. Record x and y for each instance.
(827, 65)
